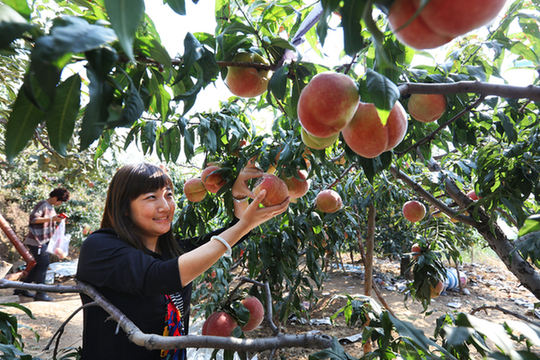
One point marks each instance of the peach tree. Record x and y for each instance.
(97, 69)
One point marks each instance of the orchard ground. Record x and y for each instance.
(489, 284)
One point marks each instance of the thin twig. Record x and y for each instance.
(431, 136)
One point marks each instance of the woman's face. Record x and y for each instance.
(152, 214)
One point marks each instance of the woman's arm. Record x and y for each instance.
(194, 263)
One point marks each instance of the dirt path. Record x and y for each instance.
(489, 284)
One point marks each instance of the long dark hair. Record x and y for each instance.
(127, 184)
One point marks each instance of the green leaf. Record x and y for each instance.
(20, 6)
(192, 92)
(329, 6)
(152, 48)
(100, 62)
(193, 51)
(24, 118)
(416, 335)
(12, 25)
(175, 140)
(494, 332)
(532, 224)
(68, 36)
(178, 6)
(73, 35)
(125, 16)
(278, 82)
(384, 93)
(351, 13)
(63, 113)
(132, 110)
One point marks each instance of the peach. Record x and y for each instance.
(414, 211)
(195, 190)
(437, 290)
(327, 103)
(427, 107)
(472, 195)
(247, 81)
(256, 313)
(417, 34)
(416, 250)
(298, 187)
(212, 181)
(328, 201)
(318, 143)
(219, 324)
(440, 20)
(457, 17)
(276, 189)
(368, 137)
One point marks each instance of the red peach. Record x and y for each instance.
(472, 195)
(427, 107)
(195, 190)
(457, 17)
(416, 250)
(276, 189)
(437, 290)
(414, 210)
(368, 137)
(328, 201)
(219, 324)
(298, 187)
(327, 103)
(212, 181)
(247, 81)
(417, 34)
(256, 313)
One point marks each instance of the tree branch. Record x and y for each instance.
(505, 311)
(506, 91)
(431, 199)
(153, 341)
(431, 136)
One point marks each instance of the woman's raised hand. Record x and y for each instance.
(240, 187)
(255, 215)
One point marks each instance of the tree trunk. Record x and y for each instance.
(370, 241)
(499, 242)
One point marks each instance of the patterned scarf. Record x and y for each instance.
(174, 326)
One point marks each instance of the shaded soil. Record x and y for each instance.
(488, 283)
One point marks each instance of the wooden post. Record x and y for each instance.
(21, 249)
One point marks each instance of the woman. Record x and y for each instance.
(137, 264)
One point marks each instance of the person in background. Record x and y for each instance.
(42, 225)
(139, 266)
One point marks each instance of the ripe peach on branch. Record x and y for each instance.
(368, 137)
(256, 313)
(440, 20)
(426, 107)
(327, 103)
(247, 81)
(414, 211)
(416, 250)
(298, 187)
(219, 324)
(276, 189)
(328, 201)
(195, 190)
(212, 180)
